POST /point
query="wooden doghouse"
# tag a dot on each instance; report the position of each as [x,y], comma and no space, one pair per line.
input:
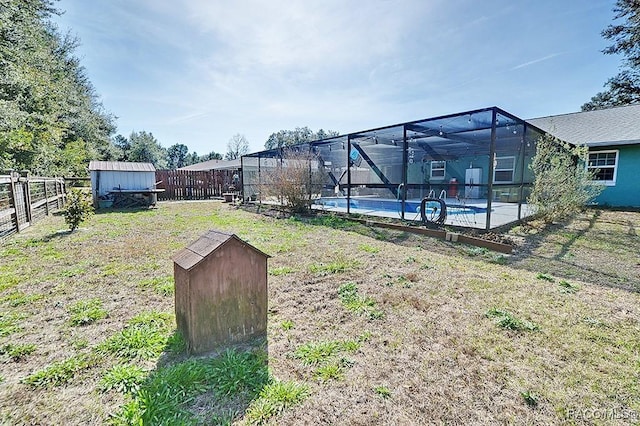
[220,292]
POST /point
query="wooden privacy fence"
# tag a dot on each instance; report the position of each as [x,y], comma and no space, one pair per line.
[193,184]
[25,199]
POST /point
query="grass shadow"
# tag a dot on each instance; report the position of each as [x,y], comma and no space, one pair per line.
[566,246]
[214,388]
[53,236]
[109,210]
[554,249]
[344,223]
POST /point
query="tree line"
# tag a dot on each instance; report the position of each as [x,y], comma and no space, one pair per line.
[52,121]
[144,147]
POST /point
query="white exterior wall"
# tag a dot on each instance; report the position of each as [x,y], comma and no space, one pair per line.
[110,180]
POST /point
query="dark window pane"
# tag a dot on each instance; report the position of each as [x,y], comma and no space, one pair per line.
[503,176]
[604,174]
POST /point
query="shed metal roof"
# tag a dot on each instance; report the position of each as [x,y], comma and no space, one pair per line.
[122,166]
[604,127]
[190,256]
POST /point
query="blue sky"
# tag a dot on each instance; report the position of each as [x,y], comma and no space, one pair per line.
[198,71]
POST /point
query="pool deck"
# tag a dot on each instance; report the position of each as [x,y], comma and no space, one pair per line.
[501,213]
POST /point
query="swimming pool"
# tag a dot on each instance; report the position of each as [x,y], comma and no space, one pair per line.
[394,206]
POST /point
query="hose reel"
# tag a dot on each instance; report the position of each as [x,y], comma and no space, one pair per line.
[437,211]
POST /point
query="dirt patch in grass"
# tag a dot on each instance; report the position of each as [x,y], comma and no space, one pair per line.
[432,355]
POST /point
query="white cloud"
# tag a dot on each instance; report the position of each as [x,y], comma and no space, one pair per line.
[304,34]
[199,71]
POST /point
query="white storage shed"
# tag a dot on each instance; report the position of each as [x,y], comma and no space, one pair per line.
[109,178]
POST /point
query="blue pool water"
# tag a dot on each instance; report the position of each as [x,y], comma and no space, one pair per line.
[394,206]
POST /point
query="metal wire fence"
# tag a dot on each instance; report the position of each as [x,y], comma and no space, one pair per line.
[25,199]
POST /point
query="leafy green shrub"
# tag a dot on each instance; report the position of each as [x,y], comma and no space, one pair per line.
[530,398]
[383,392]
[507,320]
[545,277]
[61,372]
[9,323]
[164,286]
[567,287]
[562,185]
[323,356]
[176,343]
[284,270]
[122,378]
[287,325]
[274,399]
[144,337]
[17,352]
[333,370]
[79,208]
[142,342]
[234,372]
[164,396]
[335,267]
[317,353]
[352,301]
[368,248]
[86,312]
[17,298]
[475,251]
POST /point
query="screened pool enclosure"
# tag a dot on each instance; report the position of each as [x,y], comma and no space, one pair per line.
[468,169]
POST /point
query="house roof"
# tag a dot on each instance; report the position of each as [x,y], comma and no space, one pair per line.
[215,165]
[121,166]
[190,256]
[604,127]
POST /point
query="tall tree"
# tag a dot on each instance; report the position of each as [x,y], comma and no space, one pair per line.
[284,138]
[211,156]
[177,156]
[51,120]
[123,147]
[237,147]
[624,88]
[145,148]
[192,158]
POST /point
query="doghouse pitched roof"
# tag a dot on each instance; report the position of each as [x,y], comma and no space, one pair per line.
[190,256]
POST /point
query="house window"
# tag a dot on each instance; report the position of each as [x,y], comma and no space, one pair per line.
[503,169]
[438,169]
[604,166]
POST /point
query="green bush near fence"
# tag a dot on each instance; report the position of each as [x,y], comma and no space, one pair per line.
[79,209]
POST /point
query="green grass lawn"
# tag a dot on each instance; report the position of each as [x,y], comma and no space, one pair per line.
[365,326]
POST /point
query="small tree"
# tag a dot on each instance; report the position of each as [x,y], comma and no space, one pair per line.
[293,181]
[177,156]
[79,208]
[562,185]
